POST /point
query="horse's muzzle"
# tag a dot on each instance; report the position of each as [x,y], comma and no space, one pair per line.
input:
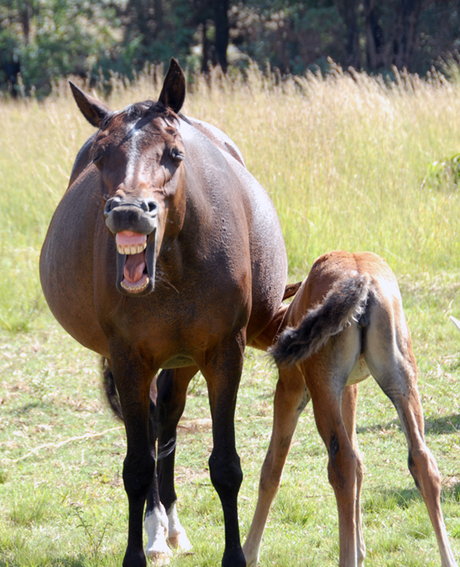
[136,215]
[134,224]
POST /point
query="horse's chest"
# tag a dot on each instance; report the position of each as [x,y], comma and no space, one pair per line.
[178,332]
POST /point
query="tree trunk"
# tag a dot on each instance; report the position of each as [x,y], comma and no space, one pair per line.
[221,26]
[205,56]
[374,37]
[158,10]
[25,15]
[348,11]
[405,36]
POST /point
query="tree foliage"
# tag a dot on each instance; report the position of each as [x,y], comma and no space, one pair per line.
[47,39]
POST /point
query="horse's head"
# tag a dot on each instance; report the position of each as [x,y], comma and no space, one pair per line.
[139,153]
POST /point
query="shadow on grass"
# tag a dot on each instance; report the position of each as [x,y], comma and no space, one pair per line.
[438,426]
[392,499]
[26,408]
[52,562]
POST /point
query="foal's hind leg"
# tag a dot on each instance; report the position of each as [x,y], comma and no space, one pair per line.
[327,372]
[393,365]
[349,403]
[290,398]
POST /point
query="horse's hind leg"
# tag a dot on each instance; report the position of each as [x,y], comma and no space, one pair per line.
[161,520]
[396,372]
[349,403]
[290,398]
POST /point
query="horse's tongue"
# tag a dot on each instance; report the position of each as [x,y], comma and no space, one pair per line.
[134,267]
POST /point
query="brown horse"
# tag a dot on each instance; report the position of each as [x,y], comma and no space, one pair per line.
[165,252]
[345,323]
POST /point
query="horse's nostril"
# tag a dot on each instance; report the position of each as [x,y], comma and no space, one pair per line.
[111,204]
[149,206]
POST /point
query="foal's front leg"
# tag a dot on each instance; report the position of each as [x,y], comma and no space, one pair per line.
[291,397]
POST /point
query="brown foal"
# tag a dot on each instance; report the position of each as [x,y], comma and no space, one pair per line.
[345,323]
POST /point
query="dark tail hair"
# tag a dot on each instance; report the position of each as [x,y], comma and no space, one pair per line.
[346,300]
[111,390]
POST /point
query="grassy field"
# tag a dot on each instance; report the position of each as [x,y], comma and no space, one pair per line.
[350,163]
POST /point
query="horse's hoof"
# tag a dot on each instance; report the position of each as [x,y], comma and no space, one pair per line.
[159,557]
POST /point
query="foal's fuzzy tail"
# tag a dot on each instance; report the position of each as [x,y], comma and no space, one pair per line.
[346,300]
[111,390]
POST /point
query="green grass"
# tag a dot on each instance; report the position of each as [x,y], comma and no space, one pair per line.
[346,163]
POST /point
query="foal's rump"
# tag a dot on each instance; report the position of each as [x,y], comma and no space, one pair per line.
[354,299]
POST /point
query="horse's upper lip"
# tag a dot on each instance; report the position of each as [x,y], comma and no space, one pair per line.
[129,242]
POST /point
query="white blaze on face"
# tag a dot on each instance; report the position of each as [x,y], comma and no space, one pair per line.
[134,154]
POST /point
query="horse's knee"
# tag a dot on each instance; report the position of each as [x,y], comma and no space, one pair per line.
[138,475]
[226,473]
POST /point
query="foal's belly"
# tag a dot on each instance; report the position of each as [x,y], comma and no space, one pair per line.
[359,373]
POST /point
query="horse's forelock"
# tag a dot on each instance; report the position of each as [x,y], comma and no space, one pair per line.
[149,107]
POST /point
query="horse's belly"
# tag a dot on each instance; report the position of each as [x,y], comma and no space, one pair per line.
[66,268]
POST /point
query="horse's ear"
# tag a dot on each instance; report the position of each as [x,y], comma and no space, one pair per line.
[173,91]
[92,109]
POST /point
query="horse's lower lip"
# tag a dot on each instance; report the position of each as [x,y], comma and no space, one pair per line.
[131,281]
[136,287]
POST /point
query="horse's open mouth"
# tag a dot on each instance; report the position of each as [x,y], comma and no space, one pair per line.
[133,274]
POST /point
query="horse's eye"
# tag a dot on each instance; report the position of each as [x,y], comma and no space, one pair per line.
[177,154]
[98,158]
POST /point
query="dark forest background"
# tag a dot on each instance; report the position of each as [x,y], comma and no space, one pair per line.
[43,40]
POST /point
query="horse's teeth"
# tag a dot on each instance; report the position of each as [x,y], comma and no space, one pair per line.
[128,249]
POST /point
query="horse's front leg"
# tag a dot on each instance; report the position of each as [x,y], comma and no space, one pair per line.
[132,378]
[156,519]
[222,374]
[161,519]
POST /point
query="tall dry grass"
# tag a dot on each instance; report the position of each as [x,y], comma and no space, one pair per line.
[344,158]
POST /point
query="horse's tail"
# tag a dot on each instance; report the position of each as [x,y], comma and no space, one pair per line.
[111,390]
[345,301]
